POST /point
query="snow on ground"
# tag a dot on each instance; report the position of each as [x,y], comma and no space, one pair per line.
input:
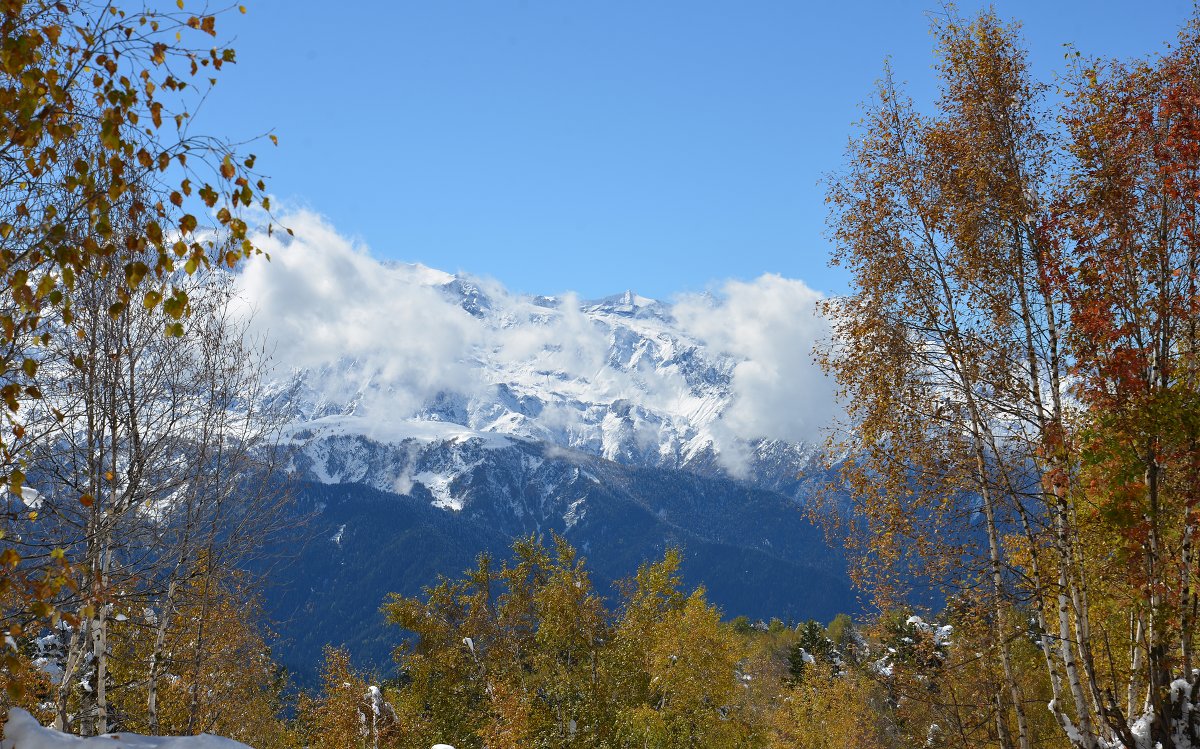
[24,732]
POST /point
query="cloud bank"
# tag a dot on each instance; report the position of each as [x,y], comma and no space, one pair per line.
[771,326]
[324,299]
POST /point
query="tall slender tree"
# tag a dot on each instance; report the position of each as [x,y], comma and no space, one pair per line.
[1016,360]
[153,462]
[102,175]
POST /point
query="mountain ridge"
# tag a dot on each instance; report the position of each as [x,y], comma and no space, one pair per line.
[644,392]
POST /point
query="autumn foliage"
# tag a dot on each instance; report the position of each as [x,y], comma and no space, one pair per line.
[527,654]
[103,177]
[1018,357]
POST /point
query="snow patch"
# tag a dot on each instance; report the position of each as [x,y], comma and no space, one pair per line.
[23,732]
[575,512]
[439,486]
[388,431]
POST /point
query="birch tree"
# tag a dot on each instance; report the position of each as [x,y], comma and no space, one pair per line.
[101,174]
[1016,360]
[155,477]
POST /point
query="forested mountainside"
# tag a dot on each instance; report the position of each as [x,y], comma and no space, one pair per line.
[752,548]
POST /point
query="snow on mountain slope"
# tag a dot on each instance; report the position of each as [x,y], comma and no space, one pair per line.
[613,378]
[402,354]
[626,384]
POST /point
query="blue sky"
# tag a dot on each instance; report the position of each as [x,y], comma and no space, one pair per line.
[663,146]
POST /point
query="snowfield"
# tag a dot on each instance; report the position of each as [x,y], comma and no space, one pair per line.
[626,378]
[24,732]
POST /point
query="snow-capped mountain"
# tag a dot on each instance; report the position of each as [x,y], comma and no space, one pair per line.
[620,378]
[436,416]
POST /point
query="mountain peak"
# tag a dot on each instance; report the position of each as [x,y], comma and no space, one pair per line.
[627,303]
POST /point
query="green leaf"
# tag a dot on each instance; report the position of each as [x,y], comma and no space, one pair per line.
[46,285]
[176,304]
[134,273]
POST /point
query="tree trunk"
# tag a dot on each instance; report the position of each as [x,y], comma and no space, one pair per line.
[156,655]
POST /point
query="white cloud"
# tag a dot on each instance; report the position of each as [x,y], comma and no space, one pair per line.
[322,298]
[561,340]
[770,324]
